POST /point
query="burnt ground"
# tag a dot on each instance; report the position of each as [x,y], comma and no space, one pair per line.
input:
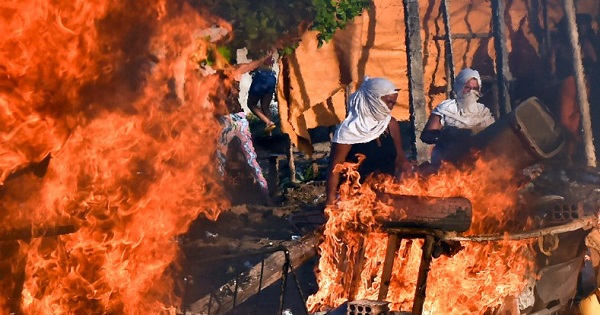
[217,251]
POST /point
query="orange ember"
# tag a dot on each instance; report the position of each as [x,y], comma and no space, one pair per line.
[106,128]
[480,276]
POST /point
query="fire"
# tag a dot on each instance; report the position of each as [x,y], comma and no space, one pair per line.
[480,276]
[105,127]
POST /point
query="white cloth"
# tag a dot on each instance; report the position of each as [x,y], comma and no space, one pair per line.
[368,115]
[478,116]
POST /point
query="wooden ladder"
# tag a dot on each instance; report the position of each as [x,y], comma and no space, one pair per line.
[503,75]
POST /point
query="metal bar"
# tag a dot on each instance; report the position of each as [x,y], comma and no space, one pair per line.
[585,223]
[235,291]
[260,279]
[284,276]
[184,300]
[299,288]
[423,273]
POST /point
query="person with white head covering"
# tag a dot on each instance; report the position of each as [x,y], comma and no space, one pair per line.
[369,129]
[454,120]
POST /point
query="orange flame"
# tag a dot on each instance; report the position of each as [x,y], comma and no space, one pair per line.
[110,93]
[478,277]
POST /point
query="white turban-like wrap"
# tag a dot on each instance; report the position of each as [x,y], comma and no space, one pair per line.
[368,115]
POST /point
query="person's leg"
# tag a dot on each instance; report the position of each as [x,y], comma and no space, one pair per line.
[243,133]
[227,134]
[253,100]
[265,105]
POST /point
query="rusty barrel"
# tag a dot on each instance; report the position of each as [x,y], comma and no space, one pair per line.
[523,137]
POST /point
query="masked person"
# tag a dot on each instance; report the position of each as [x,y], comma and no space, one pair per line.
[453,121]
[370,130]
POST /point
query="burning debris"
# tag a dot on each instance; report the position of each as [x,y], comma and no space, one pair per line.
[514,251]
[110,95]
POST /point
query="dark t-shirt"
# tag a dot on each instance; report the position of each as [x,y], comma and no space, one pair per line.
[380,156]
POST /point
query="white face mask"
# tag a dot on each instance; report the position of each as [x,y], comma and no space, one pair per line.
[468,103]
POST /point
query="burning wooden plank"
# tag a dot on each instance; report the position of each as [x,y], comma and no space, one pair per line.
[298,252]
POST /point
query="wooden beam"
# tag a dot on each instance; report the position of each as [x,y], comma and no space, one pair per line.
[414,50]
[502,71]
[420,292]
[449,53]
[582,98]
[393,244]
[463,36]
[216,303]
[357,268]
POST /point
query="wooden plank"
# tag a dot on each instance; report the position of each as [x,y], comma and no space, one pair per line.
[418,113]
[358,265]
[393,244]
[216,303]
[502,70]
[424,268]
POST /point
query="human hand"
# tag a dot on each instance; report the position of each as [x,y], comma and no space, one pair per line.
[404,166]
[407,166]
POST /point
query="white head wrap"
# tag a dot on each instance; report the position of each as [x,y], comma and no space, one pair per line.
[368,115]
[466,102]
[462,78]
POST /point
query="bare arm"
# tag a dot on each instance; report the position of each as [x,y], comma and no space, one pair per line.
[433,123]
[337,156]
[247,67]
[402,163]
[432,130]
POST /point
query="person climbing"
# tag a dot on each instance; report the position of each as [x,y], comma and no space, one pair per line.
[261,92]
